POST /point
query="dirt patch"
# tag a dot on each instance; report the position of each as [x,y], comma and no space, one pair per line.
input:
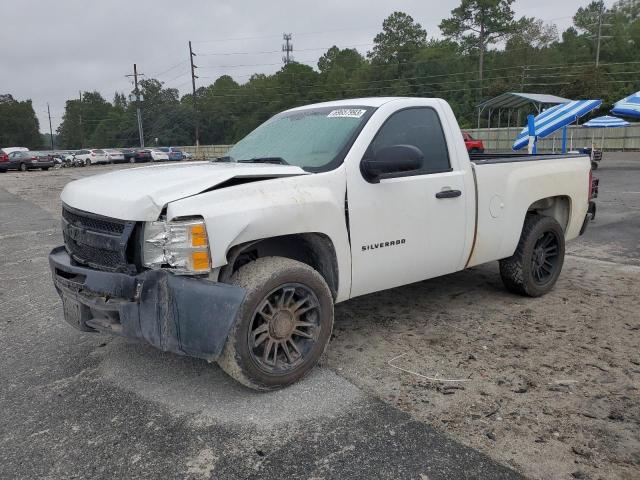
[548,386]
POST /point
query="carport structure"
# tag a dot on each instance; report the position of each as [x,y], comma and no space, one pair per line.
[512,101]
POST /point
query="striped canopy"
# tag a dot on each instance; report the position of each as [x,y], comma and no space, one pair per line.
[555,118]
[606,121]
[628,107]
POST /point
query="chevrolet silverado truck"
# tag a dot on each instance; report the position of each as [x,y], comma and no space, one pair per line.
[240,260]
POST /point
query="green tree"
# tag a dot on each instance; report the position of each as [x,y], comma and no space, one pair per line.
[478,24]
[81,119]
[19,126]
[400,39]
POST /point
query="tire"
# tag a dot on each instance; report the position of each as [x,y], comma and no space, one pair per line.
[87,162]
[269,281]
[3,170]
[536,265]
[132,160]
[45,168]
[594,165]
[23,167]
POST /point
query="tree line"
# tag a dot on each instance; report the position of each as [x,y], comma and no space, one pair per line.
[483,51]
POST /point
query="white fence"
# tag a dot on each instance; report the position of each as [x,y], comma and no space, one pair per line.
[615,139]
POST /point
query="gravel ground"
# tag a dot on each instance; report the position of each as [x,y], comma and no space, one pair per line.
[546,386]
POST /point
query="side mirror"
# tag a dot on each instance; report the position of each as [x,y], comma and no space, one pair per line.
[391,160]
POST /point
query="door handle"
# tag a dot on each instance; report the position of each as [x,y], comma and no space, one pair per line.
[448,194]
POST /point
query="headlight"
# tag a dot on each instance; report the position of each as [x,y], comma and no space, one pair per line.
[181,245]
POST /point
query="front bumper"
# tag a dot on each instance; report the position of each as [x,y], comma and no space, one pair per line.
[183,315]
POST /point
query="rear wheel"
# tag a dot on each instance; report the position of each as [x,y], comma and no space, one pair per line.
[283,325]
[87,162]
[535,266]
[23,167]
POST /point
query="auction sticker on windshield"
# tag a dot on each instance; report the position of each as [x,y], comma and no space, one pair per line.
[346,113]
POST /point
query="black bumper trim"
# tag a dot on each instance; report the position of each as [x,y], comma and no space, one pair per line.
[589,217]
[184,315]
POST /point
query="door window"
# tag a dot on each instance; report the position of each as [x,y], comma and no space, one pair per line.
[421,128]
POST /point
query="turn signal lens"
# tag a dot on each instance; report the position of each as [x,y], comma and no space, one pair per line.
[198,236]
[200,261]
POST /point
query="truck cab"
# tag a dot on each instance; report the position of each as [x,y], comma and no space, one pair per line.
[241,259]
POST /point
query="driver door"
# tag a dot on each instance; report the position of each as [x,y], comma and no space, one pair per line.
[404,229]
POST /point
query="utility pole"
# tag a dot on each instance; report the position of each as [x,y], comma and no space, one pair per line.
[50,129]
[138,109]
[524,77]
[287,48]
[195,103]
[80,119]
[599,37]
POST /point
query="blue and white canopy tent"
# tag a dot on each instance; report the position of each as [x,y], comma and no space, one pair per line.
[604,122]
[554,119]
[628,107]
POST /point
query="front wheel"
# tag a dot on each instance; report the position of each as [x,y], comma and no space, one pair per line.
[535,266]
[87,162]
[23,167]
[283,325]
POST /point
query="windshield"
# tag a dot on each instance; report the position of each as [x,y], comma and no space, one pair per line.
[315,139]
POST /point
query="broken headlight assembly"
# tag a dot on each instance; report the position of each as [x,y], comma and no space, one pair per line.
[181,245]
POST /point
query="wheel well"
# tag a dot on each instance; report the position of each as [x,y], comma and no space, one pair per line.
[313,249]
[558,207]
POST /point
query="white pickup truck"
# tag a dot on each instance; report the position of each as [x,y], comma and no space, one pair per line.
[241,259]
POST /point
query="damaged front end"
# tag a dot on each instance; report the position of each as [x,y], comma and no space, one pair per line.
[184,315]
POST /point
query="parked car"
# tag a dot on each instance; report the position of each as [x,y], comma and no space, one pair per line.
[113,156]
[473,145]
[129,154]
[142,155]
[91,156]
[26,160]
[9,150]
[174,153]
[242,262]
[158,155]
[4,161]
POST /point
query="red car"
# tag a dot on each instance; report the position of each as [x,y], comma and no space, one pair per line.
[473,145]
[4,161]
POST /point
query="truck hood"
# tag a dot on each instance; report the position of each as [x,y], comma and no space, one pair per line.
[141,193]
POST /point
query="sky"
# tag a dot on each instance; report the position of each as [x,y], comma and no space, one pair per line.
[50,50]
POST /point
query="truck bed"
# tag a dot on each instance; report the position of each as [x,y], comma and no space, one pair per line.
[514,182]
[509,157]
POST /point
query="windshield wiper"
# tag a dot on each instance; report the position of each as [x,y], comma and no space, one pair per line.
[276,160]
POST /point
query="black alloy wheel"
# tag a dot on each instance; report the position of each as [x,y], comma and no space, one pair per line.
[544,260]
[284,328]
